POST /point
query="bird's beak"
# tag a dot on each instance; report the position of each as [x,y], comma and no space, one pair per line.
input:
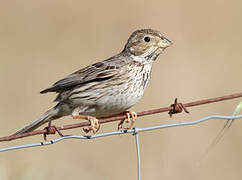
[164,43]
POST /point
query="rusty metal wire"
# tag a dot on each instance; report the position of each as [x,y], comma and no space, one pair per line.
[174,108]
[135,131]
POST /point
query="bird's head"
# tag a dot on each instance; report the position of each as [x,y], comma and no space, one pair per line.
[147,44]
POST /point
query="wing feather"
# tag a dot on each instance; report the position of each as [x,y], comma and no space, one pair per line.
[96,72]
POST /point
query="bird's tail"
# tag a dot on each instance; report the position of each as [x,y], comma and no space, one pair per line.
[44,118]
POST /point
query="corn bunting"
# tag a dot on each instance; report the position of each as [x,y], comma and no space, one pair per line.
[108,87]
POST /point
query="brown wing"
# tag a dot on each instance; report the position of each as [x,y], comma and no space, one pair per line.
[96,72]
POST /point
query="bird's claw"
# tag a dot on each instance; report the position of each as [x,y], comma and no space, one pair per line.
[131,117]
[94,127]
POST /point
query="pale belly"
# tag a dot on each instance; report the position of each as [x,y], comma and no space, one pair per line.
[114,102]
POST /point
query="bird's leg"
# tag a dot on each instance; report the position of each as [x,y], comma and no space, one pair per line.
[120,124]
[94,127]
[129,114]
[133,118]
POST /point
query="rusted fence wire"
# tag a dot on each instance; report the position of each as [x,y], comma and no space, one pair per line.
[135,131]
[174,108]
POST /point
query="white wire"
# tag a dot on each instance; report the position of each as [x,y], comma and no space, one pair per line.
[119,132]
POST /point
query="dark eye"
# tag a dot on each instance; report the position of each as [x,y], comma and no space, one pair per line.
[147,39]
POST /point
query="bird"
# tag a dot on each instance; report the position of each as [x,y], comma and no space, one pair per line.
[108,87]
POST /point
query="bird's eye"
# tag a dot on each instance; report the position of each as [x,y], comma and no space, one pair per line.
[147,39]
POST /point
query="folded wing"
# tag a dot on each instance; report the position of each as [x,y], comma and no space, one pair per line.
[96,72]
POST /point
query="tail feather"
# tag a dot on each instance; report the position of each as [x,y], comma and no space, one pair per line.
[44,118]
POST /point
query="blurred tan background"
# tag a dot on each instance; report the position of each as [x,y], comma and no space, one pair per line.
[43,41]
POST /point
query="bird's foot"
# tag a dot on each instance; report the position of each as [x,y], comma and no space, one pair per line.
[131,118]
[94,127]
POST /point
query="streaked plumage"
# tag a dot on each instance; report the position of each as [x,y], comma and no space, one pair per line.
[108,87]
